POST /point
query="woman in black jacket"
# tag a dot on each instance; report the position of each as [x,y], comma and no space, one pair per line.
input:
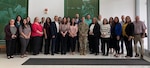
[128,32]
[94,34]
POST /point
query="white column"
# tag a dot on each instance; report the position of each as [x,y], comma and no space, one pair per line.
[148,24]
[137,7]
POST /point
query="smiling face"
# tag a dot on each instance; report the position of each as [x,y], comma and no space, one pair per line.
[11,22]
[24,21]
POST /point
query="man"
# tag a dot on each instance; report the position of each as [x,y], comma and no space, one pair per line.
[88,21]
[55,32]
[83,30]
[77,19]
[139,31]
[122,22]
[99,19]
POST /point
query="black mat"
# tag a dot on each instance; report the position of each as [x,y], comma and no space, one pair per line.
[72,61]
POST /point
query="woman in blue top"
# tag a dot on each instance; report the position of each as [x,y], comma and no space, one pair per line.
[116,33]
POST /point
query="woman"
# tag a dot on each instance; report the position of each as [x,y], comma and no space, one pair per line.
[18,22]
[25,32]
[83,30]
[94,34]
[47,35]
[128,32]
[116,33]
[10,37]
[63,31]
[72,34]
[111,47]
[105,36]
[37,33]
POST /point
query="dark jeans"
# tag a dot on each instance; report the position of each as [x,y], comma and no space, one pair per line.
[36,45]
[128,47]
[72,44]
[122,47]
[29,47]
[24,44]
[63,44]
[94,44]
[116,45]
[10,46]
[105,41]
[47,46]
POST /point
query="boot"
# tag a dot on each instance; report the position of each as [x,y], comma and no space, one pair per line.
[81,51]
[84,52]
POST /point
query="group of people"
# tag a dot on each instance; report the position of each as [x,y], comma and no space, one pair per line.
[67,34]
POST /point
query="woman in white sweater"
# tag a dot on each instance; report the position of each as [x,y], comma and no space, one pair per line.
[105,36]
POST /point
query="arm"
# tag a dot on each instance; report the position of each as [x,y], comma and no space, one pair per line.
[7,31]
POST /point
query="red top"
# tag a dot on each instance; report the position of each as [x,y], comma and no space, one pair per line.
[35,27]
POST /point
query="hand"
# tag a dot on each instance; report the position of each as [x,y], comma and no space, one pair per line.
[45,37]
[118,37]
[143,35]
[130,37]
[91,33]
[53,36]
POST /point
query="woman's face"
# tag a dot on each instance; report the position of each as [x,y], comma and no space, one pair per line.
[116,20]
[48,20]
[111,19]
[12,21]
[73,20]
[68,19]
[64,20]
[94,20]
[28,18]
[24,21]
[105,21]
[19,18]
[128,19]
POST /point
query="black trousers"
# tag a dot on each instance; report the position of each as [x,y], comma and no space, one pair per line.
[122,47]
[68,43]
[29,47]
[36,44]
[105,41]
[41,46]
[18,46]
[63,44]
[47,46]
[57,43]
[72,44]
[128,45]
[116,45]
[94,44]
[10,46]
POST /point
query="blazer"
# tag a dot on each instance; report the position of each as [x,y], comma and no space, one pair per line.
[8,32]
[130,29]
[116,30]
[96,30]
[53,29]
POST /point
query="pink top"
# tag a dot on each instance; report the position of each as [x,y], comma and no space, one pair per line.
[73,30]
[36,27]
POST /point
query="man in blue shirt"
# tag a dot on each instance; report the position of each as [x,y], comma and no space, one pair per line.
[88,21]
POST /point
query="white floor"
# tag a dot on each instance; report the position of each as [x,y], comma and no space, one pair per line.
[17,61]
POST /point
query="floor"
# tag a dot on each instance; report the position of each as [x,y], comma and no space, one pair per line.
[17,61]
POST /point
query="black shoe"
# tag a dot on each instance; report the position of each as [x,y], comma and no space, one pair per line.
[96,53]
[141,57]
[11,56]
[8,57]
[137,55]
[92,53]
[52,54]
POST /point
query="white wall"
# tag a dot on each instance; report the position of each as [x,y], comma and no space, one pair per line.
[36,8]
[118,8]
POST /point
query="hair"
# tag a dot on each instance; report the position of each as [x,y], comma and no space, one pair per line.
[49,19]
[17,19]
[73,23]
[23,25]
[117,19]
[63,20]
[106,21]
[126,19]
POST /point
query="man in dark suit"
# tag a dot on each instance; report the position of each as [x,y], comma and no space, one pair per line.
[55,32]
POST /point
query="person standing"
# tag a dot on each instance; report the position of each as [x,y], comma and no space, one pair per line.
[54,29]
[116,33]
[83,33]
[25,32]
[94,34]
[121,38]
[139,30]
[42,24]
[10,37]
[64,31]
[18,22]
[37,33]
[105,36]
[128,33]
[73,29]
[47,35]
